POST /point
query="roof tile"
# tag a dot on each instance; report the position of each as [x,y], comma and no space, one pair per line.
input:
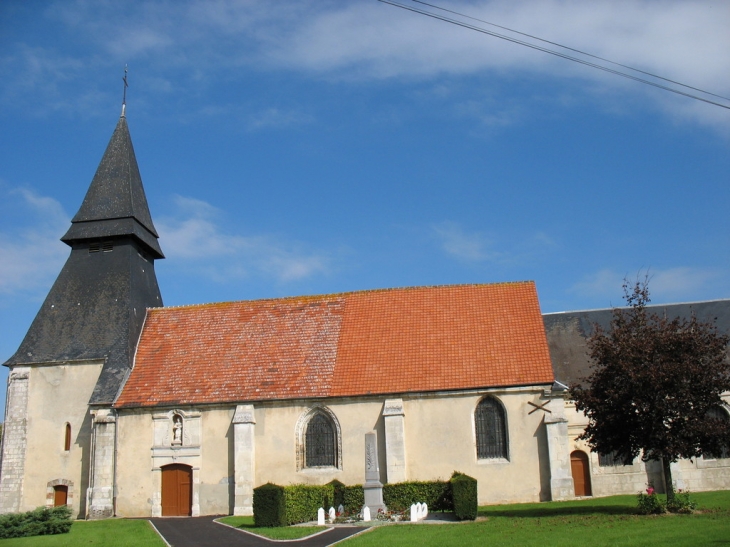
[372,342]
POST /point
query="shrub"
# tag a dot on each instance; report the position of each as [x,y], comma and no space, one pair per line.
[338,493]
[303,500]
[353,499]
[681,503]
[39,522]
[436,494]
[649,503]
[464,496]
[269,507]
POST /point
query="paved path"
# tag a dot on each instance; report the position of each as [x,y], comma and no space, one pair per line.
[203,532]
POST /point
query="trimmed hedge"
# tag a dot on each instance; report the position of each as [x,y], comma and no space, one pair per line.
[354,499]
[269,507]
[303,500]
[464,496]
[436,494]
[39,522]
[338,493]
[286,505]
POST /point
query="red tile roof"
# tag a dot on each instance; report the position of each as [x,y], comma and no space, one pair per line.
[374,342]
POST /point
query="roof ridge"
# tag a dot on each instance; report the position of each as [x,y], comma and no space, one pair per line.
[610,308]
[323,296]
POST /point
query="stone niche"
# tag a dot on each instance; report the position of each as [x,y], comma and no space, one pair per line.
[176,440]
[176,428]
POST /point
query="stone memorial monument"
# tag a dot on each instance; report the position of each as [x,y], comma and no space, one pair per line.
[372,488]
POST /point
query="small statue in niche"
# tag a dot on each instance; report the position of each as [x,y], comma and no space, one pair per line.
[177,426]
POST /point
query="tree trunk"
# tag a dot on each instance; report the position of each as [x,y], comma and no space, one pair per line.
[668,484]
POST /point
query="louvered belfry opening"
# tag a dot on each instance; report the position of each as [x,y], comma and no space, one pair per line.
[319,441]
[490,429]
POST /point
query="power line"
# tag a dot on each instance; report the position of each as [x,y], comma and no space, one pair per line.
[572,49]
[558,53]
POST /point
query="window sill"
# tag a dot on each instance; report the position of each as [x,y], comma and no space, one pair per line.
[320,470]
[492,461]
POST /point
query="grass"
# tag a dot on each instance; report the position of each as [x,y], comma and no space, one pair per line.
[284,532]
[97,533]
[602,521]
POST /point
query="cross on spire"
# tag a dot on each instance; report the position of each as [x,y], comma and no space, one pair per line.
[124,94]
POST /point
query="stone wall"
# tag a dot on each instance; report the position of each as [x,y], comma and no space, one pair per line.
[42,400]
[239,447]
[14,441]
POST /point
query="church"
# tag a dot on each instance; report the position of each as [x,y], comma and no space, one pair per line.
[119,406]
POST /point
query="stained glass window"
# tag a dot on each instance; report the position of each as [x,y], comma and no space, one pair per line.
[320,442]
[491,429]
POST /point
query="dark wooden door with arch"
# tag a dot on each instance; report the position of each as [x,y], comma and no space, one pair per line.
[581,471]
[177,490]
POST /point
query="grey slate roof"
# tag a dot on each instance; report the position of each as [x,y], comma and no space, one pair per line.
[567,332]
[97,305]
[115,203]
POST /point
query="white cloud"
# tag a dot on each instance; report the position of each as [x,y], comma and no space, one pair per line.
[670,285]
[475,247]
[470,247]
[32,255]
[275,118]
[360,40]
[194,236]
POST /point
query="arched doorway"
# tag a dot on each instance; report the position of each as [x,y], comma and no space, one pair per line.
[60,495]
[177,490]
[581,472]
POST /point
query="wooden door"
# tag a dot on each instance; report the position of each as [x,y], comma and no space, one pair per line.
[60,495]
[581,472]
[177,490]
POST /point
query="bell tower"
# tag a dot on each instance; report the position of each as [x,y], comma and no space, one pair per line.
[90,321]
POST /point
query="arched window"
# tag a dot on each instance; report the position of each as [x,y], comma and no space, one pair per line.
[718,414]
[320,442]
[67,438]
[491,429]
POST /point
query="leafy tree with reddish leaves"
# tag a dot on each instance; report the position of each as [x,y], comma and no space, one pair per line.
[654,380]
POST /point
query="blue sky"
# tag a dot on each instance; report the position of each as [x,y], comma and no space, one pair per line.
[307,147]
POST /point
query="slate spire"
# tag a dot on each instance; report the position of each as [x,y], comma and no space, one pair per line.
[115,204]
[96,307]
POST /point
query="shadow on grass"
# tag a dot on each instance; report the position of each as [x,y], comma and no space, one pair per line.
[557,511]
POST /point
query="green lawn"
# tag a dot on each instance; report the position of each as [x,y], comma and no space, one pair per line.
[603,521]
[286,532]
[97,533]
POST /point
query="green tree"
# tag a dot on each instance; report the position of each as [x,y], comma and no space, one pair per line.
[653,382]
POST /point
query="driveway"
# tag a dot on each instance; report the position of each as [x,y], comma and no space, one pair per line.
[203,532]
